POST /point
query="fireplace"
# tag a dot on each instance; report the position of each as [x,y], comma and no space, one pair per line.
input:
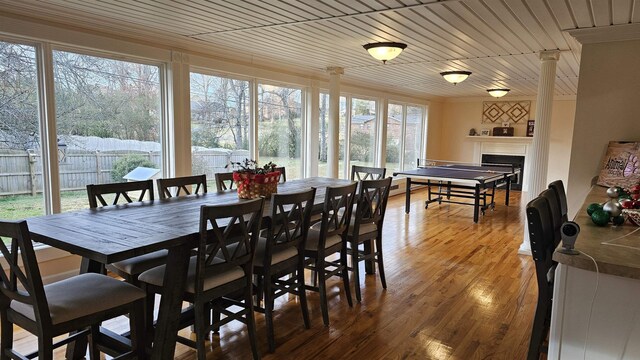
[516,160]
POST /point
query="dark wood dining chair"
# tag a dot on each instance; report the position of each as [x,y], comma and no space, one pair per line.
[77,304]
[224,181]
[366,228]
[221,268]
[327,238]
[541,238]
[121,192]
[558,186]
[128,269]
[184,185]
[556,213]
[279,260]
[359,173]
[283,174]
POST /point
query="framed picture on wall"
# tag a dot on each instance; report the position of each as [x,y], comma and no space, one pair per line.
[485,132]
[530,125]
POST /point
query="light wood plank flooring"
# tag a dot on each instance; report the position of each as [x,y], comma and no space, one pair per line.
[456,290]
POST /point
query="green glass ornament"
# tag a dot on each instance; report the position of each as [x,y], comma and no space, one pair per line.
[600,217]
[593,207]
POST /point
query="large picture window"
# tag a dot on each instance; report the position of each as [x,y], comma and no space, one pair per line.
[21,180]
[220,122]
[280,128]
[362,146]
[413,136]
[108,116]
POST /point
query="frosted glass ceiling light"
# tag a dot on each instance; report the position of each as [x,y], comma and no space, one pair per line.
[385,51]
[455,77]
[498,92]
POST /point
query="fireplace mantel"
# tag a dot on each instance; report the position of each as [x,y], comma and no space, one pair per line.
[502,145]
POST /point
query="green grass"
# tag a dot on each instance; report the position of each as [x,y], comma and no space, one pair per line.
[23,206]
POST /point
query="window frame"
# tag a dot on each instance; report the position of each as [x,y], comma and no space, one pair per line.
[423,133]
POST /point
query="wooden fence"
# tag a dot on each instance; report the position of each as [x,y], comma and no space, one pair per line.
[21,171]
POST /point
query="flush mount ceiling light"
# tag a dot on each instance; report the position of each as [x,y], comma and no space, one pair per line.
[385,51]
[498,92]
[455,77]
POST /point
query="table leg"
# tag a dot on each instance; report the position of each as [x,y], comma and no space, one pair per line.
[164,342]
[506,200]
[407,197]
[77,349]
[476,205]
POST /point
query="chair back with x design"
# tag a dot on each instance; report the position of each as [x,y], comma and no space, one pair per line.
[177,186]
[290,216]
[224,181]
[24,286]
[228,237]
[372,203]
[359,173]
[123,190]
[338,205]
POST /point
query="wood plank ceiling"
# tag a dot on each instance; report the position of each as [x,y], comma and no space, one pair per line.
[498,40]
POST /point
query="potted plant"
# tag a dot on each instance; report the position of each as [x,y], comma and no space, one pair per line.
[253,181]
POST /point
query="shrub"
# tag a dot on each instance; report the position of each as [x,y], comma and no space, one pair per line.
[124,165]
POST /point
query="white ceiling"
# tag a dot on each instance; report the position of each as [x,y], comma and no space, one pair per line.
[498,40]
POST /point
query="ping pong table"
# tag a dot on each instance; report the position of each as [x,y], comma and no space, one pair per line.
[448,180]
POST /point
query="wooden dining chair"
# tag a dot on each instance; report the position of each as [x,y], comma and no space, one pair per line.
[77,304]
[279,260]
[562,198]
[541,238]
[556,213]
[224,181]
[221,268]
[128,269]
[119,191]
[184,185]
[366,228]
[359,173]
[327,238]
[283,174]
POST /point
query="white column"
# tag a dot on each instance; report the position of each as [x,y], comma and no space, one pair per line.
[313,128]
[177,131]
[333,141]
[539,153]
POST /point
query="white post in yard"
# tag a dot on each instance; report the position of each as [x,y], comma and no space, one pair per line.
[539,152]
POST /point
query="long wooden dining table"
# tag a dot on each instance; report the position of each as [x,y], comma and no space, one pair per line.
[114,233]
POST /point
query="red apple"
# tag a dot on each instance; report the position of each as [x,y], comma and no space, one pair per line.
[635,189]
[626,203]
[635,196]
[636,204]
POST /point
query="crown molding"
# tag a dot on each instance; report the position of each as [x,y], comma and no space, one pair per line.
[602,34]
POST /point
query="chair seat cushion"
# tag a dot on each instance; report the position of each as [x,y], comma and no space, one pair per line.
[364,228]
[83,295]
[142,263]
[155,276]
[279,255]
[313,239]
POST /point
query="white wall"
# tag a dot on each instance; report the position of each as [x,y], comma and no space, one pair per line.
[607,109]
[460,115]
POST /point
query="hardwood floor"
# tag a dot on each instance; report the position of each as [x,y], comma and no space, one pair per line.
[456,290]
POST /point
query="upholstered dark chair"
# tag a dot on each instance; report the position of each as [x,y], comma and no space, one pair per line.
[366,228]
[221,269]
[128,269]
[184,185]
[224,181]
[327,238]
[279,260]
[77,304]
[359,173]
[541,237]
